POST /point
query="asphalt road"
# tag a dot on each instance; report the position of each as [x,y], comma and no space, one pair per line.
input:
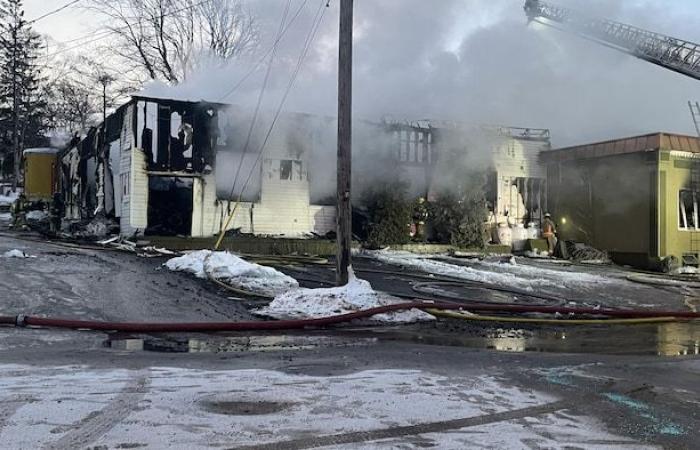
[424,386]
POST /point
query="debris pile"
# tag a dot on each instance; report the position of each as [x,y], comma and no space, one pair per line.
[357,295]
[585,253]
[232,269]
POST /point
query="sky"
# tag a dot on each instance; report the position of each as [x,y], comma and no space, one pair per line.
[471,61]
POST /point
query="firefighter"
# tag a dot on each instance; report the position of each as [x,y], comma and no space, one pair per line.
[549,231]
[420,216]
[57,210]
[19,213]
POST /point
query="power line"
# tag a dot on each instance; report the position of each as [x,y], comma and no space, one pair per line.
[262,58]
[55,11]
[106,33]
[302,56]
[261,95]
[300,62]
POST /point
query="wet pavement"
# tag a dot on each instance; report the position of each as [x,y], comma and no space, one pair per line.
[448,384]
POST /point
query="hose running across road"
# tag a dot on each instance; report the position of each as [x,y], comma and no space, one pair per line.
[297,324]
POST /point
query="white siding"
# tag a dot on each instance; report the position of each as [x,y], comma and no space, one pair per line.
[322,219]
[515,158]
[209,215]
[284,204]
[138,195]
[519,158]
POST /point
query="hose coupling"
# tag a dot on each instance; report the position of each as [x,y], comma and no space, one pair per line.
[21,320]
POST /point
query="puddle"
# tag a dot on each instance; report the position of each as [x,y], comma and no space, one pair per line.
[668,339]
[233,344]
[243,408]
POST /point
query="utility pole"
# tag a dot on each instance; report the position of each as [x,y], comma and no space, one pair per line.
[344,228]
[104,81]
[16,151]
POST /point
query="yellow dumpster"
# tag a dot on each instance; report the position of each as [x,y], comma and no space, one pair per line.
[40,173]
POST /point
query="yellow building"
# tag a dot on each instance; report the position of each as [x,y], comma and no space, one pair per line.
[636,198]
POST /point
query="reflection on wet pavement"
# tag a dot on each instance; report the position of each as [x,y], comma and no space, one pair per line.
[666,339]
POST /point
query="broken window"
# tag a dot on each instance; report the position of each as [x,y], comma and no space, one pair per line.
[291,170]
[688,210]
[414,145]
[285,170]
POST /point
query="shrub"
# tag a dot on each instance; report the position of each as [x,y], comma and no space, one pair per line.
[389,214]
[458,217]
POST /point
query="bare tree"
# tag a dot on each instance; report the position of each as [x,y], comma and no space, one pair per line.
[74,103]
[168,39]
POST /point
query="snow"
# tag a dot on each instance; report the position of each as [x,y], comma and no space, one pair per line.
[15,254]
[687,270]
[161,407]
[232,269]
[9,199]
[490,272]
[355,296]
[41,150]
[37,215]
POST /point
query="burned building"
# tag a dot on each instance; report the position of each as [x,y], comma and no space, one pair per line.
[636,197]
[173,167]
[163,166]
[516,182]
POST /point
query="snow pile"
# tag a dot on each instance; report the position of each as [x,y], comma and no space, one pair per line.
[15,254]
[37,215]
[9,199]
[686,270]
[232,269]
[355,296]
[490,272]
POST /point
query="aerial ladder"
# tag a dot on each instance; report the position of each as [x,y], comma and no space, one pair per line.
[671,53]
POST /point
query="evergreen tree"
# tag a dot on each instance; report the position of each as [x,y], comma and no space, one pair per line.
[21,101]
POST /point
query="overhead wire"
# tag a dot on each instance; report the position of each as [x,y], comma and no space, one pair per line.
[106,33]
[318,18]
[264,56]
[261,95]
[54,11]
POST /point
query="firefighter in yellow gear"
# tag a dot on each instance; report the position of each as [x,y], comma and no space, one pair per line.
[549,232]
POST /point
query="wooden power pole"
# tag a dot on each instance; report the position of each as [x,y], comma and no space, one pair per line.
[344,229]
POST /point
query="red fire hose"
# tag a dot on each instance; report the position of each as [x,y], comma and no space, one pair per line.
[193,327]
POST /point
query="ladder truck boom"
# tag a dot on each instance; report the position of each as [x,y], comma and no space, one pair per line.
[665,51]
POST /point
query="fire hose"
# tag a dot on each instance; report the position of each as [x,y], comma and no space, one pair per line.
[628,316]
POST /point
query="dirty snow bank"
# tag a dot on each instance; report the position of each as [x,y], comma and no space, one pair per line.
[9,199]
[37,215]
[498,273]
[687,270]
[15,254]
[230,268]
[355,296]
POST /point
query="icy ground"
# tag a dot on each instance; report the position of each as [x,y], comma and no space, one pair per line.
[355,296]
[77,407]
[228,267]
[7,200]
[500,273]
